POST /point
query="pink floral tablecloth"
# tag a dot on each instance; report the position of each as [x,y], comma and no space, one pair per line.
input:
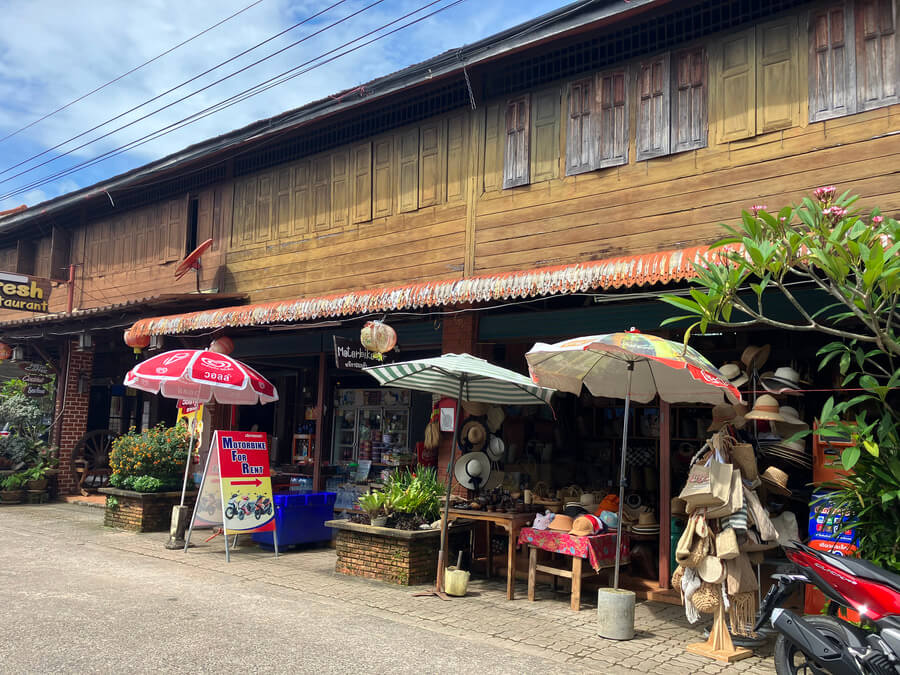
[600,550]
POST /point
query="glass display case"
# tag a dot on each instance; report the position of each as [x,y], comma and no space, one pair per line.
[371,424]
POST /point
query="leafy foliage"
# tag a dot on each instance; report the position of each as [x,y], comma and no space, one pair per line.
[415,493]
[159,452]
[855,259]
[15,481]
[24,419]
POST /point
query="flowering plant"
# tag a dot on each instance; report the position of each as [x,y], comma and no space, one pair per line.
[158,452]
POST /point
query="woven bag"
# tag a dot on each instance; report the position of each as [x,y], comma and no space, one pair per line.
[706,600]
[727,544]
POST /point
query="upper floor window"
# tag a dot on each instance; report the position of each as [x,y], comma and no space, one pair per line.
[597,129]
[516,164]
[854,60]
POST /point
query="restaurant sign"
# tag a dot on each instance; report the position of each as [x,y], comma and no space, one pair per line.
[24,293]
[352,355]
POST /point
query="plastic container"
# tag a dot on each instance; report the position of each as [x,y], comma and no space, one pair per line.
[456,581]
[299,519]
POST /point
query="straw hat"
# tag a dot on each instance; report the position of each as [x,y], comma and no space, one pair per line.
[475,408]
[495,448]
[472,470]
[775,480]
[586,526]
[647,520]
[765,408]
[733,373]
[678,507]
[753,357]
[561,523]
[723,414]
[792,417]
[495,417]
[784,380]
[711,570]
[472,436]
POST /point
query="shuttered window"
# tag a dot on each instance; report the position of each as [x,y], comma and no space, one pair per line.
[580,139]
[612,100]
[653,108]
[877,65]
[831,89]
[516,156]
[689,100]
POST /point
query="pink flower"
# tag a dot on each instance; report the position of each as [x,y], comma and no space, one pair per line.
[756,208]
[825,194]
[835,212]
[877,220]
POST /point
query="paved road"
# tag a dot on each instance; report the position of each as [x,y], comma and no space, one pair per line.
[68,604]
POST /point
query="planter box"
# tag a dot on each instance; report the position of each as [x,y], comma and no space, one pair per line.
[405,557]
[142,511]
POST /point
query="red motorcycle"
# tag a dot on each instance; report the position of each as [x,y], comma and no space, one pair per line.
[829,644]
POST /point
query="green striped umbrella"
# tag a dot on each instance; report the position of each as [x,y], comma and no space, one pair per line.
[465,378]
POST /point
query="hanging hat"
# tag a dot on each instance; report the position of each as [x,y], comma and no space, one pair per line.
[711,570]
[561,523]
[475,408]
[792,417]
[472,470]
[775,480]
[495,417]
[587,526]
[753,357]
[765,408]
[722,414]
[733,373]
[495,448]
[472,436]
[784,380]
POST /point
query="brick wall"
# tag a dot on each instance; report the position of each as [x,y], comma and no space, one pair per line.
[72,423]
[408,562]
[141,513]
[459,333]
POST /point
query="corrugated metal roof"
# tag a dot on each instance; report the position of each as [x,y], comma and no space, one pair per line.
[620,272]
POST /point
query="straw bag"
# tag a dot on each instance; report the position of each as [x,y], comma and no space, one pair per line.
[735,498]
[759,516]
[745,459]
[727,544]
[739,575]
[694,542]
[706,598]
[707,485]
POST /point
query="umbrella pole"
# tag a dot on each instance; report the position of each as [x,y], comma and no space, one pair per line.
[180,514]
[622,475]
[187,464]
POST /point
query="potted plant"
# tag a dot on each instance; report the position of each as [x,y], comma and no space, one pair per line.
[373,504]
[36,477]
[12,492]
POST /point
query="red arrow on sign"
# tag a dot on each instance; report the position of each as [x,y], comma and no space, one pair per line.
[256,481]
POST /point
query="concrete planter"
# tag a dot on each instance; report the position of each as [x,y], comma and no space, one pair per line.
[142,511]
[404,557]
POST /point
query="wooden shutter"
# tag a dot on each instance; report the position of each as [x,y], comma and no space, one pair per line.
[494,148]
[283,213]
[430,164]
[689,124]
[302,201]
[456,158]
[340,188]
[177,213]
[408,150]
[832,82]
[653,108]
[265,189]
[613,102]
[516,156]
[877,64]
[581,143]
[244,211]
[321,192]
[384,177]
[545,117]
[362,182]
[735,97]
[778,104]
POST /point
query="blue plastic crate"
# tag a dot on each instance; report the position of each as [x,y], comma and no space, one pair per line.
[299,519]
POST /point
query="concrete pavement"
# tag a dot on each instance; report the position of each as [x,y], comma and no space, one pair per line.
[78,597]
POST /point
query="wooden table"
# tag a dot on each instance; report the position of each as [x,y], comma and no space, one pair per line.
[512,523]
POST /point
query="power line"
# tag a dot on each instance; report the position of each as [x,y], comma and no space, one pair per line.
[133,70]
[240,97]
[176,87]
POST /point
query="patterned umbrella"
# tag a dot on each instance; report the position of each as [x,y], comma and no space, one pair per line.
[629,365]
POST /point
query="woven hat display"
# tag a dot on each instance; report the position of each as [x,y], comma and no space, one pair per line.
[784,380]
[472,470]
[495,418]
[765,408]
[733,373]
[561,523]
[754,357]
[775,480]
[472,436]
[711,570]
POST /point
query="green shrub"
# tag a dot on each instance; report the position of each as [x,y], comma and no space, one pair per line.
[159,452]
[15,481]
[147,484]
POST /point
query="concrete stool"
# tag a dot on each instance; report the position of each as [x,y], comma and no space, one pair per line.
[615,613]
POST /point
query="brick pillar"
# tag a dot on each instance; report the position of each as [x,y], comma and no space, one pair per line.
[72,423]
[458,336]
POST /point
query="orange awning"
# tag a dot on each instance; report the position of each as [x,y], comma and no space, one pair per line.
[620,272]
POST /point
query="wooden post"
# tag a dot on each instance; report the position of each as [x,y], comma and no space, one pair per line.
[319,442]
[665,492]
[575,602]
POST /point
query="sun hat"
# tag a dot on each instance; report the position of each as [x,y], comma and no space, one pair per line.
[472,436]
[495,418]
[776,480]
[472,470]
[495,448]
[733,373]
[792,417]
[711,570]
[475,408]
[722,414]
[753,357]
[784,380]
[586,526]
[648,519]
[765,408]
[561,523]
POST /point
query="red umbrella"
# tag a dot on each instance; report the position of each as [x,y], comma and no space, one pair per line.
[201,375]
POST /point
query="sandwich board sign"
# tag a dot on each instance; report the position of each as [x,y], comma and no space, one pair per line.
[236,489]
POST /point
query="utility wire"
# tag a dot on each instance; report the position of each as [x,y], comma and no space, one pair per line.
[176,87]
[133,70]
[238,98]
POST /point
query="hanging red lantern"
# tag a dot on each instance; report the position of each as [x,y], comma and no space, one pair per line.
[5,352]
[378,338]
[222,345]
[137,342]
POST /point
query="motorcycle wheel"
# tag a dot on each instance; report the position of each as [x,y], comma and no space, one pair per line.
[229,512]
[241,514]
[257,514]
[790,660]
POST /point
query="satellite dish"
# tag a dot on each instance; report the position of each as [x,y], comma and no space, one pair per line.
[192,261]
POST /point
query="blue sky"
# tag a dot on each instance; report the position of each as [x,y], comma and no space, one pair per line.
[54,51]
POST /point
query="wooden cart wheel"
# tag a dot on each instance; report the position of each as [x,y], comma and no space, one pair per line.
[91,455]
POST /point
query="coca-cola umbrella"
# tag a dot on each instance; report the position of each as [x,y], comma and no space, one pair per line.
[200,375]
